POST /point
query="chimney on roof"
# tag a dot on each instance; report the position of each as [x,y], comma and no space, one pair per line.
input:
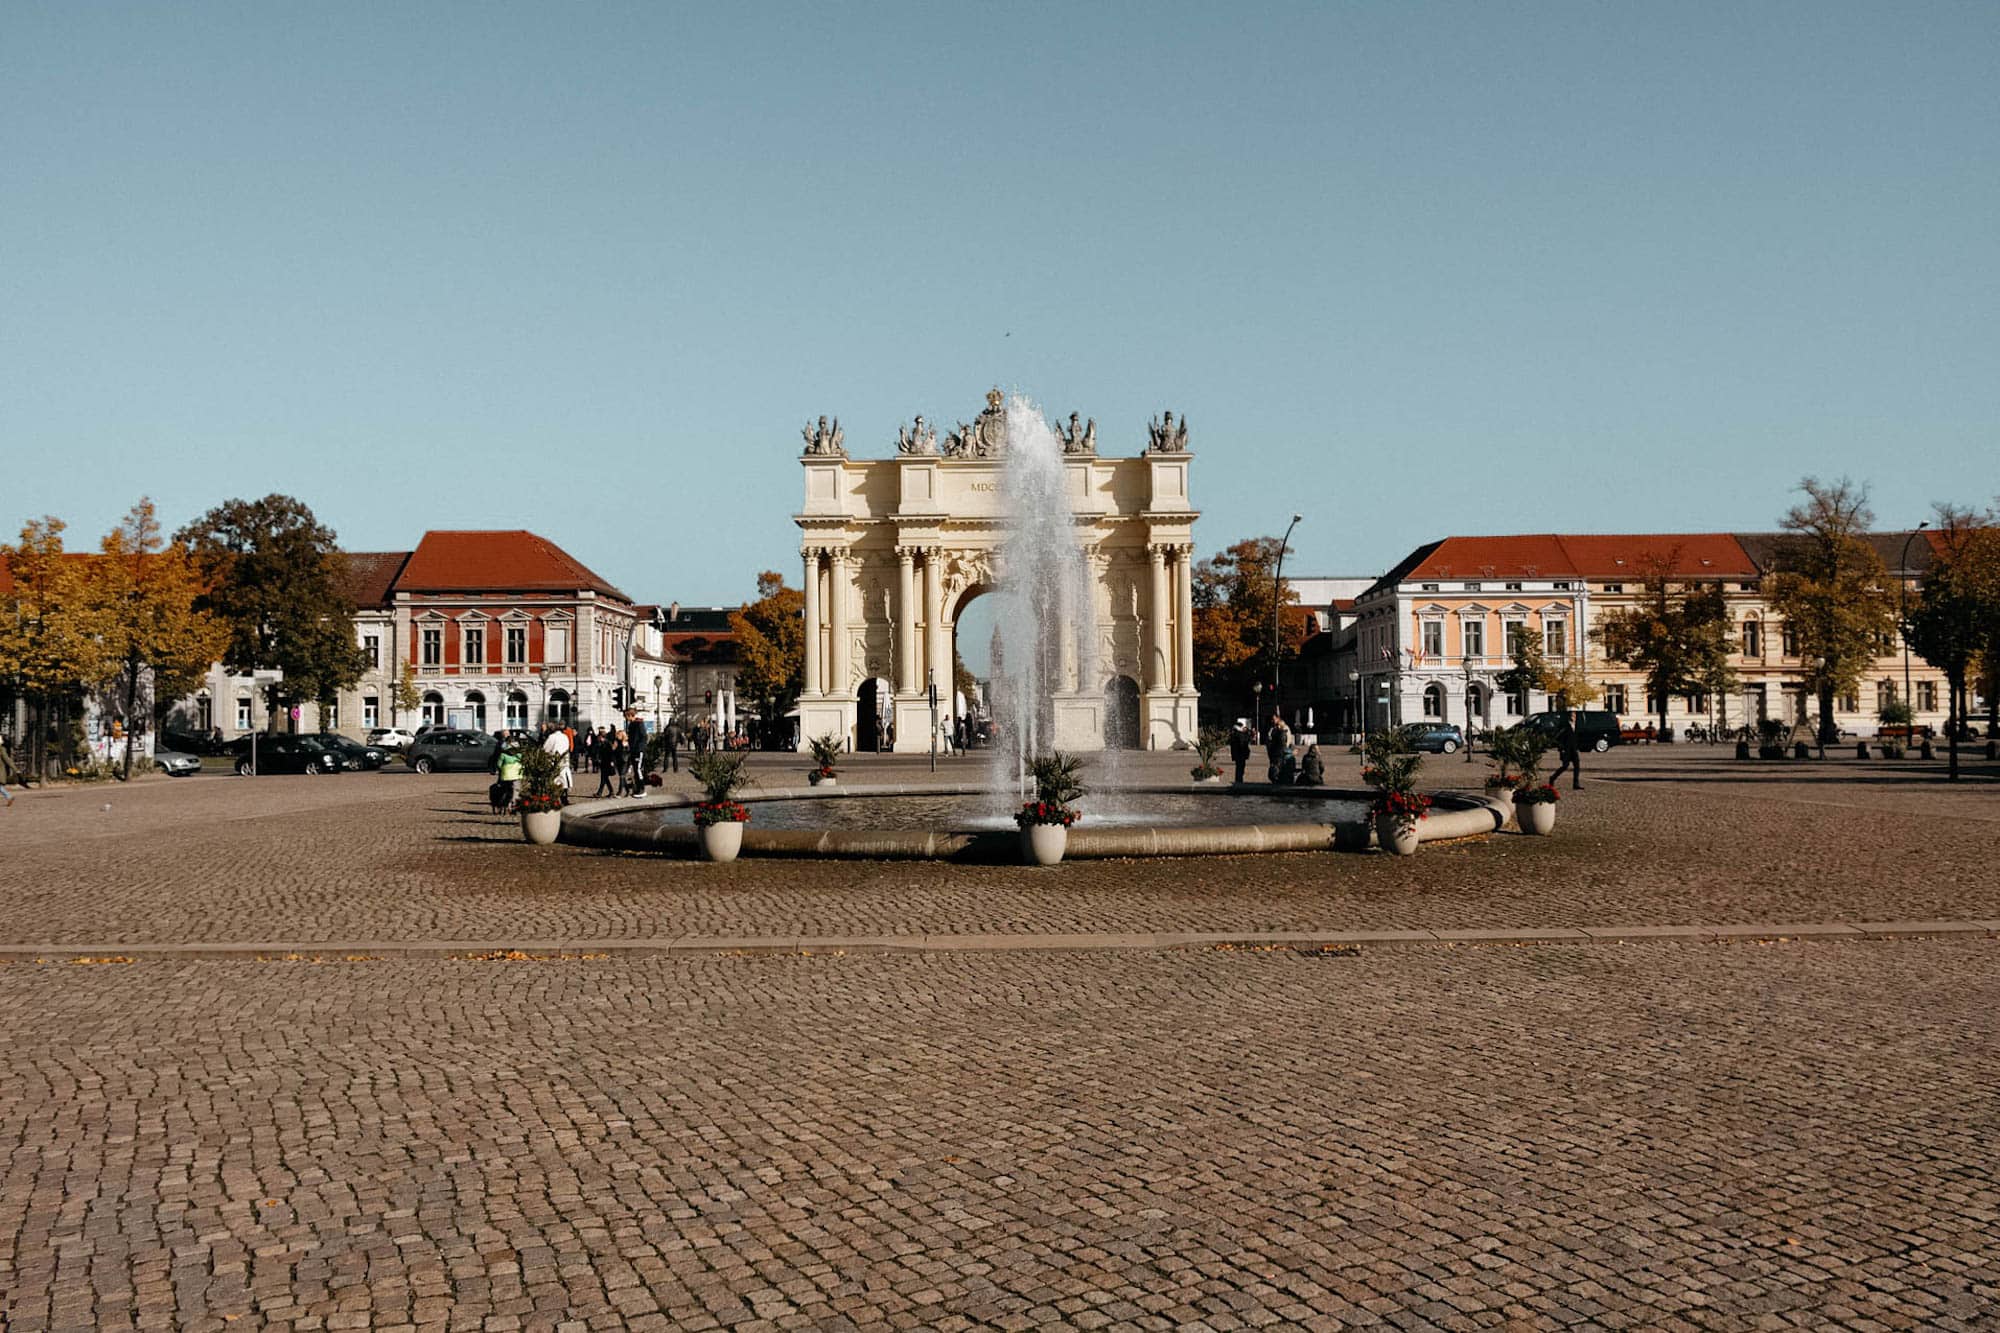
[673,612]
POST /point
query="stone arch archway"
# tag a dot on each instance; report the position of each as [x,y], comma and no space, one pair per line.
[893,548]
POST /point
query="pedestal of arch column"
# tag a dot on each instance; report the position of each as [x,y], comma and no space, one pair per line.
[913,723]
[823,715]
[1165,717]
[1079,720]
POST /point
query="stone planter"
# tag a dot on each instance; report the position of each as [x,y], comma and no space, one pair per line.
[721,842]
[541,826]
[1214,780]
[1537,818]
[1044,844]
[1396,833]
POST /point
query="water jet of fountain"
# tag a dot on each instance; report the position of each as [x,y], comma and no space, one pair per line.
[1046,616]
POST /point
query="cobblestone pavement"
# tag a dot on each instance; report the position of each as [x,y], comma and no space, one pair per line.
[1644,1136]
[1675,836]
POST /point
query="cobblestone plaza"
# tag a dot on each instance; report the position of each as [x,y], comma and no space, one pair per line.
[267,1062]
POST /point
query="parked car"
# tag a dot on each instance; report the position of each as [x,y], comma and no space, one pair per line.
[1596,729]
[195,740]
[175,764]
[390,738]
[1436,737]
[445,750]
[369,757]
[282,752]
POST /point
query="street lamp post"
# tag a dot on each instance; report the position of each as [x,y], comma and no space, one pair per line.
[1468,708]
[1257,709]
[1361,708]
[1903,630]
[1277,608]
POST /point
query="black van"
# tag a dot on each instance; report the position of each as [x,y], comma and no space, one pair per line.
[1596,729]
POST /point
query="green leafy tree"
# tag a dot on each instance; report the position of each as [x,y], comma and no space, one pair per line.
[152,624]
[273,575]
[1233,597]
[1673,633]
[1830,586]
[404,696]
[771,647]
[1957,617]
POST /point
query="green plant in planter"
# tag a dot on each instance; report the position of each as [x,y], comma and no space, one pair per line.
[540,790]
[1517,758]
[825,753]
[1392,771]
[1208,743]
[720,776]
[1058,780]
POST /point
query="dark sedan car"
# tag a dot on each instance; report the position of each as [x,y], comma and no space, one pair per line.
[282,752]
[357,755]
[445,750]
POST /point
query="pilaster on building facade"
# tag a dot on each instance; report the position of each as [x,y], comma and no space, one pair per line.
[1433,636]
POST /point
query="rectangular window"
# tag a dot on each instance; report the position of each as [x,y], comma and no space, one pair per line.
[1614,698]
[1433,638]
[475,646]
[1885,694]
[1788,639]
[1697,703]
[1656,703]
[1517,635]
[1555,638]
[1427,587]
[243,713]
[371,711]
[1846,703]
[555,644]
[330,719]
[204,712]
[1513,587]
[1614,587]
[517,645]
[1517,703]
[433,647]
[1472,587]
[1474,634]
[1927,696]
[371,647]
[1562,585]
[1753,639]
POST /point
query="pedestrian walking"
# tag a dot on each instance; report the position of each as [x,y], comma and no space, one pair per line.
[1571,755]
[1239,746]
[674,746]
[604,753]
[6,774]
[635,749]
[557,743]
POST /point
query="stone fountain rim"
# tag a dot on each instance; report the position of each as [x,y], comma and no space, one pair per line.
[608,824]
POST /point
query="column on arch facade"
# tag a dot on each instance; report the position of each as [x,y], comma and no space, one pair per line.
[1184,619]
[813,678]
[937,645]
[907,681]
[1159,660]
[836,594]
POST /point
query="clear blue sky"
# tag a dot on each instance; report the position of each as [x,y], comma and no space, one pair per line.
[586,268]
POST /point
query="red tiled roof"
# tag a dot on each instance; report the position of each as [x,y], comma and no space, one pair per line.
[1574,555]
[371,576]
[514,561]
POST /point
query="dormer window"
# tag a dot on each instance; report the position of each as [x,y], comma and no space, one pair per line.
[1562,585]
[1427,587]
[1513,587]
[1472,587]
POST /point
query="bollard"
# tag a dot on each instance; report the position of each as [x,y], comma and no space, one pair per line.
[1861,749]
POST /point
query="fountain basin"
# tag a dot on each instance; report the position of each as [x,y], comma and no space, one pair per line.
[892,822]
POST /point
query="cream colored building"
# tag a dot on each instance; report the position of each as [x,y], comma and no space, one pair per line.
[894,549]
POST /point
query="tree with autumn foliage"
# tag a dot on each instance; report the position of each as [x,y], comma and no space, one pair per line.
[1676,632]
[1233,601]
[146,590]
[1832,589]
[771,648]
[52,637]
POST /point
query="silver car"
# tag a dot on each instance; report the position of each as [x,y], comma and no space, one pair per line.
[175,764]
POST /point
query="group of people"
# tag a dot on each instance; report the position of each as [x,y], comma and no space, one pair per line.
[1288,768]
[617,754]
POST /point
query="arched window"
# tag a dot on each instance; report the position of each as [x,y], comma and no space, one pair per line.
[1475,702]
[1434,701]
[558,705]
[433,709]
[476,701]
[517,710]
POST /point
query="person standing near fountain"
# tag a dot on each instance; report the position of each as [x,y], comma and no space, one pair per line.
[1277,744]
[1239,747]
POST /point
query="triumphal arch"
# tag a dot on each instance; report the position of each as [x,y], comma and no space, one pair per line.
[896,547]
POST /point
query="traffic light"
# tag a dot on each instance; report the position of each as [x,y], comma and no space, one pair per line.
[618,697]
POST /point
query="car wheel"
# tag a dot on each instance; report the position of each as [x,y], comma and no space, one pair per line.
[424,765]
[243,769]
[1602,745]
[1449,747]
